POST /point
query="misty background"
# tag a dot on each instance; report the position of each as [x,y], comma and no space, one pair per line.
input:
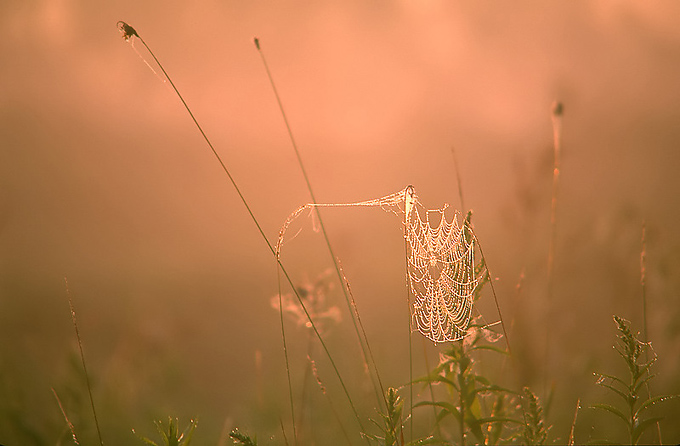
[105,180]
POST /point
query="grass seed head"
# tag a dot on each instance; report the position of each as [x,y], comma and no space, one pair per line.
[127,30]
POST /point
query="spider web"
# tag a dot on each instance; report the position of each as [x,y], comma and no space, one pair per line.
[440,262]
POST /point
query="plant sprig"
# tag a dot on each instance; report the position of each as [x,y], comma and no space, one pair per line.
[170,434]
[630,348]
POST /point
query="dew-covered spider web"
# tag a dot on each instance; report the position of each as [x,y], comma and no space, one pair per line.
[440,262]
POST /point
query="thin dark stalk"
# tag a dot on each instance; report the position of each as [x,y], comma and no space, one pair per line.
[285,354]
[461,399]
[429,385]
[305,401]
[283,432]
[493,289]
[129,32]
[518,294]
[328,398]
[458,179]
[557,130]
[643,286]
[82,358]
[410,327]
[68,422]
[353,314]
[570,442]
[353,304]
[495,297]
[556,117]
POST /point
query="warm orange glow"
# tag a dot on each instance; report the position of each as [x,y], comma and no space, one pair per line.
[104,179]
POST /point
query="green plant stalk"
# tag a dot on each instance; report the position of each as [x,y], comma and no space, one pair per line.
[410,330]
[354,315]
[556,116]
[570,442]
[643,286]
[461,400]
[170,434]
[534,429]
[68,422]
[468,390]
[82,359]
[493,292]
[128,33]
[285,354]
[243,439]
[429,385]
[630,348]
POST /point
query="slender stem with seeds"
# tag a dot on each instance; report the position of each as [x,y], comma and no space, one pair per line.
[82,358]
[129,32]
[68,422]
[570,442]
[643,285]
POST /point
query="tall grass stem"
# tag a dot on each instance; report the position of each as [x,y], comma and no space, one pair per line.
[495,296]
[82,359]
[557,143]
[129,32]
[556,117]
[643,286]
[285,354]
[354,315]
[68,422]
[410,327]
[570,441]
[458,180]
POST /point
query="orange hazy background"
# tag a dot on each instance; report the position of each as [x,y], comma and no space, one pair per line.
[105,180]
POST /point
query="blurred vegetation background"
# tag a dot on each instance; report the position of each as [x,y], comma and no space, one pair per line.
[104,180]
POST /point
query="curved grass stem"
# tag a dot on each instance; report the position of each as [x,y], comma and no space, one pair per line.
[354,315]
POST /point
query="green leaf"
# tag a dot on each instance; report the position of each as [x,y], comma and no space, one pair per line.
[434,380]
[642,426]
[612,409]
[145,440]
[650,402]
[447,407]
[625,397]
[499,420]
[497,412]
[602,442]
[492,348]
[475,427]
[492,388]
[601,377]
[474,410]
[636,389]
[243,439]
[481,379]
[428,440]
